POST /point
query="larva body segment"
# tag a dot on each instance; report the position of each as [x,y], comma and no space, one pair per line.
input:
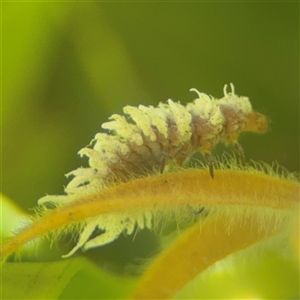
[145,142]
[143,122]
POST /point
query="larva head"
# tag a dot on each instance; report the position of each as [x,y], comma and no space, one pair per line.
[239,116]
[256,122]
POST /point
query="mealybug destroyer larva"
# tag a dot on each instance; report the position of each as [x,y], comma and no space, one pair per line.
[147,140]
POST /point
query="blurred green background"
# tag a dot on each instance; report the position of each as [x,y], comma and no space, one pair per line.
[67,66]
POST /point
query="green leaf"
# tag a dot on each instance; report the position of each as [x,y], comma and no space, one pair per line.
[67,279]
[268,270]
[11,217]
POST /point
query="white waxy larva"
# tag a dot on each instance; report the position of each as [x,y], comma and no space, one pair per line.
[148,141]
[124,129]
[158,119]
[183,120]
[142,121]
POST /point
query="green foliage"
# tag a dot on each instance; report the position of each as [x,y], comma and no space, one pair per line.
[65,279]
[67,66]
[265,271]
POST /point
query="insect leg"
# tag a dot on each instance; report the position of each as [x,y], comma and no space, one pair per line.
[196,212]
[239,149]
[163,164]
[210,162]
